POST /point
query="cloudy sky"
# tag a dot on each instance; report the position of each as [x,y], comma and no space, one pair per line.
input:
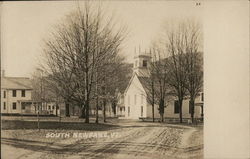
[25,24]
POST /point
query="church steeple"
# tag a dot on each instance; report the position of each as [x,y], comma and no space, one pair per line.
[141,63]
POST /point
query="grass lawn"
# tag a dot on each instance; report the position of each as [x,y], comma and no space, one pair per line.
[64,125]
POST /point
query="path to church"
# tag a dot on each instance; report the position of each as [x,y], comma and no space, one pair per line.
[134,140]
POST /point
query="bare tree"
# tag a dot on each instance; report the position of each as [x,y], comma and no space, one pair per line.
[41,93]
[156,81]
[181,42]
[194,78]
[149,80]
[161,75]
[193,63]
[78,47]
[111,78]
[151,90]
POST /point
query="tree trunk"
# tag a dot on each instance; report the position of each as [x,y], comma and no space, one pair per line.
[202,114]
[96,111]
[153,112]
[67,110]
[56,109]
[180,109]
[87,111]
[83,112]
[153,103]
[38,119]
[86,93]
[192,109]
[161,106]
[104,110]
[114,108]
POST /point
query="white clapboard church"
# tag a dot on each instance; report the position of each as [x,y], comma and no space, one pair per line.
[135,96]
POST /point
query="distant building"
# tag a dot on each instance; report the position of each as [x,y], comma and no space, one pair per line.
[16,95]
[136,104]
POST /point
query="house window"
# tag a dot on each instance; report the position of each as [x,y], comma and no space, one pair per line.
[141,110]
[202,97]
[13,93]
[4,94]
[23,93]
[23,106]
[135,99]
[4,105]
[176,107]
[144,63]
[128,111]
[53,107]
[14,105]
[49,107]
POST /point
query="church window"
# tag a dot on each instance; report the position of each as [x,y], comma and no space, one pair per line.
[141,110]
[144,63]
[128,111]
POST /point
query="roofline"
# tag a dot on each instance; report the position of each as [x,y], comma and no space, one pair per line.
[15,77]
[23,100]
[135,74]
[17,88]
[130,81]
[12,79]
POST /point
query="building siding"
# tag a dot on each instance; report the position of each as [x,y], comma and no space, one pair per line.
[9,100]
[135,89]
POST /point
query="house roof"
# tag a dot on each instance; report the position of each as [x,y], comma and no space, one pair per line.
[146,84]
[146,81]
[15,83]
[129,83]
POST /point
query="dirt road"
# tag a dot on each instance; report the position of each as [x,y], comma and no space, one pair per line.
[133,140]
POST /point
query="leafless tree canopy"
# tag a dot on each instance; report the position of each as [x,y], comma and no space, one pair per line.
[85,44]
[176,68]
[182,43]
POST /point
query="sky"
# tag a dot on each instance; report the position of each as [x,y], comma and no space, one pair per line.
[24,25]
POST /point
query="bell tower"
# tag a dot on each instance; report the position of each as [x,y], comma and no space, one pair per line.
[141,64]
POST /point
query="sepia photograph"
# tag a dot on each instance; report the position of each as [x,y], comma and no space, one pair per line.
[102,79]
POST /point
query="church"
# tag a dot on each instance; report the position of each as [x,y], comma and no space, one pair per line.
[135,96]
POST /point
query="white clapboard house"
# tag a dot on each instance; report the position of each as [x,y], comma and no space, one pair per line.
[135,96]
[16,97]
